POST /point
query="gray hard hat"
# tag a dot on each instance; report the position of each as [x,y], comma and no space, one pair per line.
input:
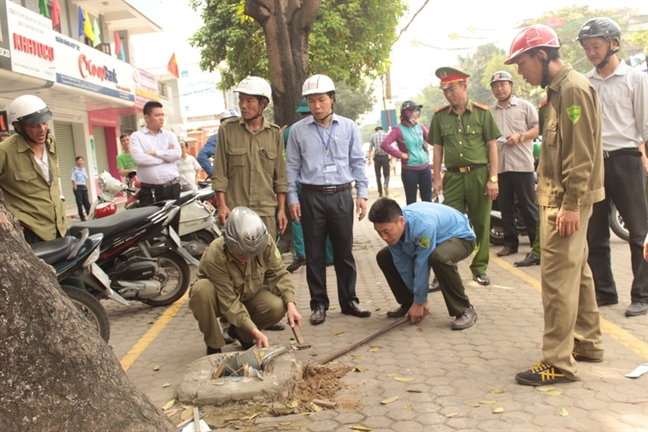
[245,233]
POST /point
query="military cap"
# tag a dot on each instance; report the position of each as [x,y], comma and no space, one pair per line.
[450,75]
[303,107]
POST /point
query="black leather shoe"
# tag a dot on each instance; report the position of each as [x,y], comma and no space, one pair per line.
[276,327]
[319,315]
[354,308]
[297,262]
[528,261]
[227,338]
[211,350]
[434,286]
[602,301]
[233,333]
[399,312]
[481,279]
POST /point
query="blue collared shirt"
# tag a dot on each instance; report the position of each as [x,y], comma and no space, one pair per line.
[79,176]
[426,226]
[205,153]
[306,154]
[160,168]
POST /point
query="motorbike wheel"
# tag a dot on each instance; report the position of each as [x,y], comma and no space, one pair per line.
[496,234]
[174,274]
[198,242]
[91,308]
[617,225]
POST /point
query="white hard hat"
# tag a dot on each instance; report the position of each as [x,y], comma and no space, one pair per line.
[229,112]
[254,86]
[245,233]
[29,109]
[318,84]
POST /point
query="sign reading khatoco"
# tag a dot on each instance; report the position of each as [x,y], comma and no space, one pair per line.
[31,39]
[84,67]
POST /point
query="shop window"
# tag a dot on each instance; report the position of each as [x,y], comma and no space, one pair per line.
[163,90]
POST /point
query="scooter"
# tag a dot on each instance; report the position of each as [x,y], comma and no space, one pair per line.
[198,226]
[74,258]
[142,254]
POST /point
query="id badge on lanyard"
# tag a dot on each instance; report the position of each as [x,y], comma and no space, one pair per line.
[328,164]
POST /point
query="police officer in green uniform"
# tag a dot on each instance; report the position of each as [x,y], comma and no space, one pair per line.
[465,133]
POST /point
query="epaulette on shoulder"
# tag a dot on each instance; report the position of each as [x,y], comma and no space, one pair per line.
[275,126]
[543,103]
[228,120]
[441,108]
[482,106]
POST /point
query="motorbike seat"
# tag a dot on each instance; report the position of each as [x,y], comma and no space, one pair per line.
[120,222]
[205,194]
[185,196]
[54,251]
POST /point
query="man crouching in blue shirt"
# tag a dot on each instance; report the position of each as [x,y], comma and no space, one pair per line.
[420,236]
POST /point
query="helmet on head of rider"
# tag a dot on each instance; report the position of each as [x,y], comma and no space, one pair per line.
[245,233]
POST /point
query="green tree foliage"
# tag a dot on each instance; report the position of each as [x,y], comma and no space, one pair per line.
[352,103]
[431,97]
[350,39]
[475,65]
[521,88]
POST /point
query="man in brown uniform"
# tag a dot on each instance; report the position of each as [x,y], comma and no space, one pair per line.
[29,174]
[249,169]
[570,182]
[241,277]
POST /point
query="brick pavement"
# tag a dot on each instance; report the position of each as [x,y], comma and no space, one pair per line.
[453,370]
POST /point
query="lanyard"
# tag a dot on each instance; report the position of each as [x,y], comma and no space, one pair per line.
[326,144]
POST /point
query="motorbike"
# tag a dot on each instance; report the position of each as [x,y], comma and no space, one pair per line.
[198,225]
[142,255]
[74,259]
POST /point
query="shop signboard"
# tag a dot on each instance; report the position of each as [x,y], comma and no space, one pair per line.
[31,41]
[146,87]
[5,47]
[81,66]
[198,94]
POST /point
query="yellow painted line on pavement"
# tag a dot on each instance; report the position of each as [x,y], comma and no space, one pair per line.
[613,330]
[153,332]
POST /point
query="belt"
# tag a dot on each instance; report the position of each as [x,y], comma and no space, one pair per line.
[327,190]
[81,186]
[161,186]
[621,152]
[465,169]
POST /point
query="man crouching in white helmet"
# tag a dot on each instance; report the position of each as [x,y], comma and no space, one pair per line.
[241,277]
[29,174]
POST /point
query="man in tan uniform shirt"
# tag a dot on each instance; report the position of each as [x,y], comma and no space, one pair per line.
[570,182]
[241,277]
[249,167]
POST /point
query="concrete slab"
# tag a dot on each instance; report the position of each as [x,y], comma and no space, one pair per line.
[198,387]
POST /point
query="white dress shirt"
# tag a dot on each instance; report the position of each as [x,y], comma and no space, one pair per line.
[162,167]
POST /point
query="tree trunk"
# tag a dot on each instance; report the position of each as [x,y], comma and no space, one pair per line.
[286,25]
[56,373]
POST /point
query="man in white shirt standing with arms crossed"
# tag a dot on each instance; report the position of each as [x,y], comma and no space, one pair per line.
[155,151]
[623,92]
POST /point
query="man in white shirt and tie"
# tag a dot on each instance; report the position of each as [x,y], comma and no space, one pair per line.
[155,151]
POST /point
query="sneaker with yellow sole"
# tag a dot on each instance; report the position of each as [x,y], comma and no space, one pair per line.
[541,374]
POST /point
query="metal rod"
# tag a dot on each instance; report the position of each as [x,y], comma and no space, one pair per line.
[362,341]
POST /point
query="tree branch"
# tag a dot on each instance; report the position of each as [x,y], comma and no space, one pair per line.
[260,10]
[307,13]
[412,20]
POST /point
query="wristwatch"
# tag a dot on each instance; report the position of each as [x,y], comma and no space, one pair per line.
[493,179]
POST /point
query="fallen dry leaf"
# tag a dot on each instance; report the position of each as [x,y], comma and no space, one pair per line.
[409,407]
[168,405]
[377,309]
[419,329]
[312,354]
[334,362]
[451,415]
[359,369]
[332,308]
[496,390]
[292,342]
[360,428]
[350,355]
[415,390]
[284,423]
[165,385]
[187,413]
[471,404]
[563,412]
[373,349]
[338,333]
[545,388]
[294,403]
[389,400]
[151,322]
[369,301]
[375,346]
[487,402]
[156,367]
[359,357]
[491,293]
[553,393]
[253,416]
[498,410]
[403,379]
[316,407]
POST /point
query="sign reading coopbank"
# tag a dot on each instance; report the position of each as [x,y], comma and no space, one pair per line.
[84,67]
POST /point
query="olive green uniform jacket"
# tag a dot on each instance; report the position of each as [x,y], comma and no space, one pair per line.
[250,167]
[28,196]
[570,173]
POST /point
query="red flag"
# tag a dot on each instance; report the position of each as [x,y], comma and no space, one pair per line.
[173,66]
[118,46]
[56,14]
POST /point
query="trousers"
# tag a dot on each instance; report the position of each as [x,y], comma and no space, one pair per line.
[82,201]
[415,181]
[381,163]
[521,185]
